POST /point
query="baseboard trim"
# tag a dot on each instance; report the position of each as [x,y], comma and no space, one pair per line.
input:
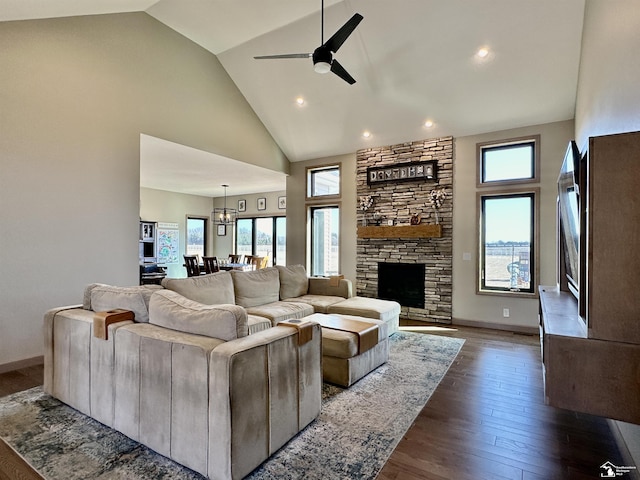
[497,326]
[28,362]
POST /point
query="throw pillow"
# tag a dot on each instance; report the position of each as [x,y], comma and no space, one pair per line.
[258,287]
[171,310]
[293,281]
[213,289]
[107,297]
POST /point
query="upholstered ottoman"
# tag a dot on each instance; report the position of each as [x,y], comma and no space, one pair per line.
[348,356]
[385,310]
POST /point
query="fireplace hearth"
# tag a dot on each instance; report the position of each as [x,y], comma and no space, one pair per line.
[402,282]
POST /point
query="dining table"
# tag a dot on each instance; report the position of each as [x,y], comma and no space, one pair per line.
[242,267]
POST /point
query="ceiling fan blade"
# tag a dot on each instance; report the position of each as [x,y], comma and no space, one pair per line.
[286,55]
[342,73]
[338,38]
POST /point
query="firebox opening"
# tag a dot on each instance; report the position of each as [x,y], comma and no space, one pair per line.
[402,282]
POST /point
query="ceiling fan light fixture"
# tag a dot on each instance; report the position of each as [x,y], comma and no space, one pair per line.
[322,67]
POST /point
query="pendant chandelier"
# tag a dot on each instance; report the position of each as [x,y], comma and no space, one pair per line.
[224,216]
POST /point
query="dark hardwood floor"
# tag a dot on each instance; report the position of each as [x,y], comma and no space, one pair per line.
[486,420]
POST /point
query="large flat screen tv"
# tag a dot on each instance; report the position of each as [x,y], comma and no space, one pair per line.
[569,206]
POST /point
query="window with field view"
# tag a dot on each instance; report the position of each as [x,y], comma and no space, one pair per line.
[507,240]
[196,236]
[507,210]
[264,237]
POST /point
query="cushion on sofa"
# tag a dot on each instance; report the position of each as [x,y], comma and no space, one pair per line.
[279,311]
[171,310]
[257,324]
[136,299]
[320,303]
[257,287]
[293,281]
[213,289]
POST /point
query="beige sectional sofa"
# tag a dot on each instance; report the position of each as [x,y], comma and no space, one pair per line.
[204,374]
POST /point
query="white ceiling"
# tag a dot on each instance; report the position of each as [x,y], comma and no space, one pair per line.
[169,166]
[413,60]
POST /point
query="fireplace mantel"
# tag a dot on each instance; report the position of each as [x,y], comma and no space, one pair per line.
[401,231]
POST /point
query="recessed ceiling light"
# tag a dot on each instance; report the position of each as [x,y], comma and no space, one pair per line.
[428,124]
[482,52]
[300,101]
[366,134]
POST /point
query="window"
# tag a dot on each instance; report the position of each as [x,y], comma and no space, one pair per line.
[323,181]
[263,236]
[244,236]
[196,236]
[508,235]
[281,241]
[507,241]
[508,162]
[325,235]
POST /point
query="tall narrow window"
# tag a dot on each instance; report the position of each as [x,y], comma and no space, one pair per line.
[507,240]
[281,241]
[196,236]
[244,236]
[264,238]
[325,240]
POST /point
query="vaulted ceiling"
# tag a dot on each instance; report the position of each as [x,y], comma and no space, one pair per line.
[413,61]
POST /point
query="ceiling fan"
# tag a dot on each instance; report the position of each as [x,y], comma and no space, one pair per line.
[322,56]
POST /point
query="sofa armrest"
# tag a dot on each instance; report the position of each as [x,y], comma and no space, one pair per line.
[48,334]
[322,286]
[263,389]
[73,356]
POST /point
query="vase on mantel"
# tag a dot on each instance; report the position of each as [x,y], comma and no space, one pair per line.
[437,219]
[364,220]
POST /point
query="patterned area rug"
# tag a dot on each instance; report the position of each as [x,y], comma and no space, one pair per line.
[353,437]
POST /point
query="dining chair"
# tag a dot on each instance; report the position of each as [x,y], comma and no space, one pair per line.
[191,264]
[235,258]
[256,262]
[211,264]
[248,259]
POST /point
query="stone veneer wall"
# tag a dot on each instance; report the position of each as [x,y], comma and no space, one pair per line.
[399,201]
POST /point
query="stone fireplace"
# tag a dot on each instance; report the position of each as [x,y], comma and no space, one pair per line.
[398,202]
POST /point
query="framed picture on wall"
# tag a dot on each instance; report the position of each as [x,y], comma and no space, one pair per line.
[282,203]
[222,230]
[262,203]
[242,205]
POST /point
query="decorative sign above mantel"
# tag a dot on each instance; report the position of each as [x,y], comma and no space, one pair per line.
[402,172]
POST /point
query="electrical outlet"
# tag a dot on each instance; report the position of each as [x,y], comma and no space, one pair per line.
[505,312]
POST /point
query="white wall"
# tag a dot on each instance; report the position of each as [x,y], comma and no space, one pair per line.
[468,306]
[608,99]
[75,95]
